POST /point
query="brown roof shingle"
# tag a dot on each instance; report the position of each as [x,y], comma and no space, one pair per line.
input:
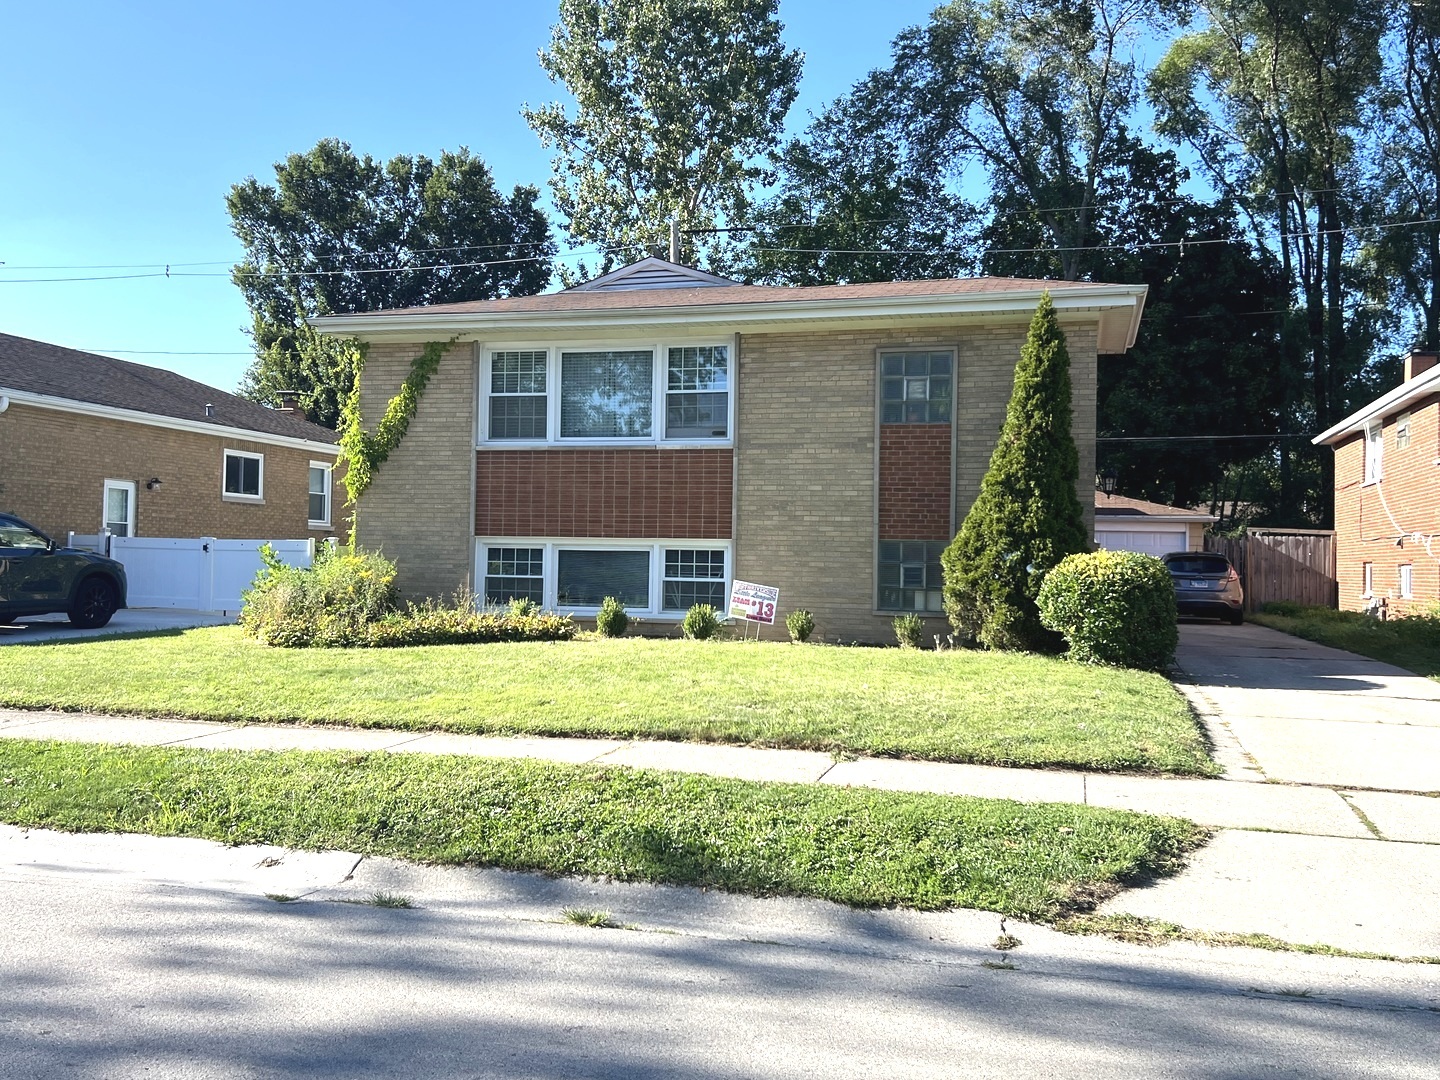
[1121,506]
[36,367]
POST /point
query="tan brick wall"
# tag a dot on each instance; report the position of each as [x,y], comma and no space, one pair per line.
[806,456]
[418,509]
[1364,531]
[53,466]
[652,493]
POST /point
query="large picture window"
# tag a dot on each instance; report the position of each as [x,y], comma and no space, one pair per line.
[660,393]
[585,576]
[915,387]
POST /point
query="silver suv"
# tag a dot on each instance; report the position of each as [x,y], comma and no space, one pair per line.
[1206,585]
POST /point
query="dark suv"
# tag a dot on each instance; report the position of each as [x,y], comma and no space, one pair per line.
[1206,584]
[38,577]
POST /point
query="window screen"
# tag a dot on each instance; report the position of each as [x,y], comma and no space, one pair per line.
[586,577]
[517,394]
[514,573]
[606,395]
[694,577]
[915,387]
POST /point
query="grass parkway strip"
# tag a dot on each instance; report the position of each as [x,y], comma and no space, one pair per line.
[986,708]
[858,847]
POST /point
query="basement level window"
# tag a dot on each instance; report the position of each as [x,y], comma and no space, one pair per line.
[244,475]
[910,576]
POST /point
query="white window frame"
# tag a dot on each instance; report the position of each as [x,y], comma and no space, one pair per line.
[659,348]
[1374,453]
[551,563]
[128,486]
[328,468]
[232,496]
[1402,431]
[1405,574]
[1367,580]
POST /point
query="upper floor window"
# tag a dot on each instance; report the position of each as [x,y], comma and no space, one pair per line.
[1374,448]
[660,393]
[1402,431]
[244,475]
[915,387]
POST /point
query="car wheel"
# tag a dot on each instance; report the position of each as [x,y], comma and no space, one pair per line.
[95,601]
[1235,618]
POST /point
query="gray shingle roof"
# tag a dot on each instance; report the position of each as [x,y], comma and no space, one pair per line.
[36,367]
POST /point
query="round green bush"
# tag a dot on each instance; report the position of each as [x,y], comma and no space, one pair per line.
[701,623]
[611,620]
[1113,607]
[801,625]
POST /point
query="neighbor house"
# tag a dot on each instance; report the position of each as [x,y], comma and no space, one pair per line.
[1123,524]
[659,432]
[1387,494]
[89,443]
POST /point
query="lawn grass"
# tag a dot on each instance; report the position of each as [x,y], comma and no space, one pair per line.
[995,708]
[854,846]
[1413,644]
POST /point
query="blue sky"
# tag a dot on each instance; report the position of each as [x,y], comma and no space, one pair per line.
[122,126]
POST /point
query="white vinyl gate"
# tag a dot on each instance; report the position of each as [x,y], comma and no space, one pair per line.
[200,574]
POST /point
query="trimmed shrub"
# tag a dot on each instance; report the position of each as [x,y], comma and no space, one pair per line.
[701,623]
[801,625]
[434,624]
[1027,516]
[611,620]
[1113,607]
[909,630]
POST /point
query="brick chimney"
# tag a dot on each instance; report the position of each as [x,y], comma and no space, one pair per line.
[1419,362]
[290,402]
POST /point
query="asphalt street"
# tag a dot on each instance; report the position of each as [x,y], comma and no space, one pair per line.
[142,957]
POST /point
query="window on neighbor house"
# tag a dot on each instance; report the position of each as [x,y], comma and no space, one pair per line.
[915,387]
[518,404]
[1374,448]
[909,573]
[244,475]
[1368,579]
[514,573]
[694,576]
[319,494]
[1402,431]
[697,392]
[1407,581]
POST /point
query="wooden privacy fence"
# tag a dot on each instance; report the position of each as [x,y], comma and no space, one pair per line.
[1282,564]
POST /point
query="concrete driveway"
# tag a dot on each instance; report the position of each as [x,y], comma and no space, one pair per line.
[126,621]
[1307,714]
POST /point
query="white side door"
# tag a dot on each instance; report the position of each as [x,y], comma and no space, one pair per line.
[119,512]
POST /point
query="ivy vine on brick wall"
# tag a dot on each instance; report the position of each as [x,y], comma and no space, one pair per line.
[364,453]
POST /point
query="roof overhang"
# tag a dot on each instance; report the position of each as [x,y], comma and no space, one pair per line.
[1115,308]
[1407,393]
[172,423]
[1142,519]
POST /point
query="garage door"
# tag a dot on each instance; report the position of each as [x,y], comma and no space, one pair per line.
[1148,542]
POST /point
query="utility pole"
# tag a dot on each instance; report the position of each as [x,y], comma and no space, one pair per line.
[674,239]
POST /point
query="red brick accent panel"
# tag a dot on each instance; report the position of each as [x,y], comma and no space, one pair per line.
[915,482]
[644,493]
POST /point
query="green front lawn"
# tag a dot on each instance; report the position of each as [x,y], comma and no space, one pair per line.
[997,708]
[1412,643]
[854,846]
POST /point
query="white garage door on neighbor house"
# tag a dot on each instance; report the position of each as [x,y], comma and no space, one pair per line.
[1123,524]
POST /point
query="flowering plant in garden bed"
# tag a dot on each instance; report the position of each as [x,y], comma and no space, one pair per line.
[348,600]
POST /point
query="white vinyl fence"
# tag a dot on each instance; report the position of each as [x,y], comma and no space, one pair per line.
[201,574]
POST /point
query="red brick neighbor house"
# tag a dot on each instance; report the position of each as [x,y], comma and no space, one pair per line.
[1123,524]
[659,432]
[89,443]
[1387,495]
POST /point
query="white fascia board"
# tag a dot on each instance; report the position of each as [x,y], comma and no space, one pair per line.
[1423,385]
[1117,334]
[172,423]
[1129,524]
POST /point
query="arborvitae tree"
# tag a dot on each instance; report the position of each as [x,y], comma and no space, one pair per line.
[1028,515]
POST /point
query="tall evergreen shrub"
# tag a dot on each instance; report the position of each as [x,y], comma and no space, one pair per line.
[1028,516]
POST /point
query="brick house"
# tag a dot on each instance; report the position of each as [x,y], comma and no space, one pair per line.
[1387,494]
[89,443]
[658,432]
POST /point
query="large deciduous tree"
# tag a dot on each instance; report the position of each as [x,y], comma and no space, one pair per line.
[338,233]
[678,106]
[1027,516]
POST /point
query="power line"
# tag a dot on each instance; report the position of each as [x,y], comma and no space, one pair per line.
[1195,438]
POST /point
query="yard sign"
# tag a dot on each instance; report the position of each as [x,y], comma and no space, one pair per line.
[754,603]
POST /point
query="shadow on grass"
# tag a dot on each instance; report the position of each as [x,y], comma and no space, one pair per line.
[9,635]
